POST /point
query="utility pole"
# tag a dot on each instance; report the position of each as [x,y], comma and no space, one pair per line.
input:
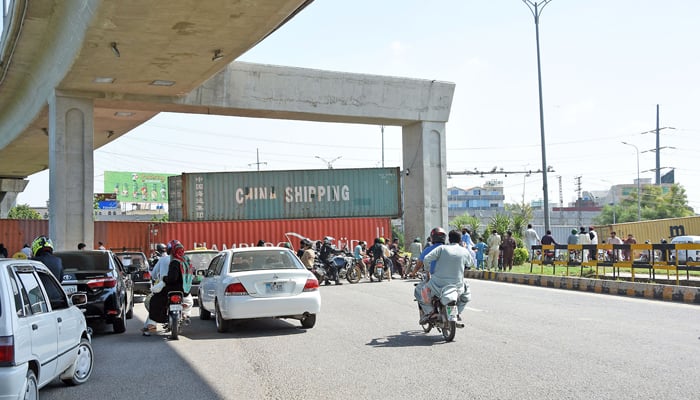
[382,146]
[658,147]
[561,202]
[257,156]
[578,200]
[536,10]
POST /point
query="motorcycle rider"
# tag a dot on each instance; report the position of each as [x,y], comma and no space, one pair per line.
[326,255]
[308,255]
[160,252]
[175,279]
[42,250]
[438,236]
[447,275]
[359,252]
[376,252]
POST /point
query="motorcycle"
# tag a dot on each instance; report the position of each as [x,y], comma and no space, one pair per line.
[344,263]
[320,272]
[354,272]
[176,316]
[400,263]
[379,269]
[445,317]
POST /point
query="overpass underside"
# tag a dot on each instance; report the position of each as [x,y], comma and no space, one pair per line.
[73,120]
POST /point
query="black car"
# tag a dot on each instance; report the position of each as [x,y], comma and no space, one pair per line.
[107,283]
[141,275]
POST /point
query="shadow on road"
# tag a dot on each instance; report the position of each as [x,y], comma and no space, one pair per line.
[408,339]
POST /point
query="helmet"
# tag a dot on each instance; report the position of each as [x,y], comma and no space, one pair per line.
[169,248]
[327,240]
[42,242]
[417,240]
[438,235]
[381,240]
[160,248]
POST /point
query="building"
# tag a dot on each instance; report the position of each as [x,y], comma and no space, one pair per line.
[480,201]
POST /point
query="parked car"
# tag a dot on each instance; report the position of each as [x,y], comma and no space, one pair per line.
[200,259]
[685,255]
[258,282]
[142,275]
[108,285]
[43,335]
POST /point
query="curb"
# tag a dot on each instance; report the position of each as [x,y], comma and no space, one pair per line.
[652,291]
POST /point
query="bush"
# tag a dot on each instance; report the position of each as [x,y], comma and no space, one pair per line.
[520,256]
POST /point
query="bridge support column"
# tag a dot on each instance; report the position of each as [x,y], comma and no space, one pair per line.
[70,171]
[9,188]
[424,179]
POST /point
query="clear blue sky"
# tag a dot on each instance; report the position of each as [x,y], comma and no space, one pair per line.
[605,66]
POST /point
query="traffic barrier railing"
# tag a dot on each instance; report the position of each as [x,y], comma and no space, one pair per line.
[668,257]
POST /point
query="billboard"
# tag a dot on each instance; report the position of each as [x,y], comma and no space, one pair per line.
[262,195]
[141,187]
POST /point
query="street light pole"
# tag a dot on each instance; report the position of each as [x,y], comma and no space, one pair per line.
[536,10]
[639,192]
[329,163]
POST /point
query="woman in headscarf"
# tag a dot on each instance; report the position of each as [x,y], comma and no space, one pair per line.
[176,280]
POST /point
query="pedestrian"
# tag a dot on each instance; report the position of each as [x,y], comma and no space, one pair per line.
[467,238]
[583,239]
[309,255]
[261,243]
[481,248]
[594,240]
[493,242]
[613,239]
[509,245]
[3,251]
[101,246]
[572,239]
[81,246]
[531,239]
[359,252]
[415,249]
[627,254]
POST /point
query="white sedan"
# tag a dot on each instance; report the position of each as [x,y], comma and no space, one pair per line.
[43,335]
[258,282]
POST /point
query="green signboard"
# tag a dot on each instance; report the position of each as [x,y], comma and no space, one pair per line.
[141,187]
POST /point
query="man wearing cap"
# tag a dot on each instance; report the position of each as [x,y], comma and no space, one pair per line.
[572,239]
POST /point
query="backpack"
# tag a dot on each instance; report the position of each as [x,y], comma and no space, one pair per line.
[187,272]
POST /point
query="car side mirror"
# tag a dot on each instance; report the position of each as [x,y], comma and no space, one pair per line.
[78,298]
[201,272]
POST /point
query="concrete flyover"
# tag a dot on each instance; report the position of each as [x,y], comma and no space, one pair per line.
[76,75]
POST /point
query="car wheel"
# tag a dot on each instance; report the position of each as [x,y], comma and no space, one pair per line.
[309,321]
[31,387]
[119,324]
[130,313]
[82,366]
[221,323]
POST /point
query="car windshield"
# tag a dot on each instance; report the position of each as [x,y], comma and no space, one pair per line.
[262,260]
[84,261]
[136,259]
[201,260]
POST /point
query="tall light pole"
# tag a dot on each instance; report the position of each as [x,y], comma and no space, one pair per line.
[536,8]
[639,192]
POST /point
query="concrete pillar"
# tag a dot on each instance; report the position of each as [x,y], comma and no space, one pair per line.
[425,179]
[70,171]
[9,188]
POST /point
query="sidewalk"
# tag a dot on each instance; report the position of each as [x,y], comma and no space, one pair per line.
[656,291]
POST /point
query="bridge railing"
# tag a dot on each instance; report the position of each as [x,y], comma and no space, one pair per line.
[666,257]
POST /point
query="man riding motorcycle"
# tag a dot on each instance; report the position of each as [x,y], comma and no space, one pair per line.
[377,252]
[326,255]
[446,279]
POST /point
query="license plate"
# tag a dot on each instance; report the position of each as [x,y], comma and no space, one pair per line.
[275,287]
[176,307]
[452,313]
[70,289]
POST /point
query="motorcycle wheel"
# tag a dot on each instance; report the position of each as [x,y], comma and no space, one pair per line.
[353,275]
[449,328]
[380,276]
[427,327]
[174,322]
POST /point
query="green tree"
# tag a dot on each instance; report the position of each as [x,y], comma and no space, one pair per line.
[654,203]
[23,211]
[500,222]
[470,222]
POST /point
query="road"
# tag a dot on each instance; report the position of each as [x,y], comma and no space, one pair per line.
[520,342]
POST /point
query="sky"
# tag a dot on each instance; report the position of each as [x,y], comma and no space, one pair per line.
[605,67]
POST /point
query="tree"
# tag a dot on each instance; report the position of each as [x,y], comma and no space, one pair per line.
[23,211]
[654,203]
[470,222]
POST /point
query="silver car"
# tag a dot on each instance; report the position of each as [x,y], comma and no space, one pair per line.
[43,335]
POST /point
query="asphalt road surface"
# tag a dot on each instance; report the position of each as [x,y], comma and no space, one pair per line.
[520,342]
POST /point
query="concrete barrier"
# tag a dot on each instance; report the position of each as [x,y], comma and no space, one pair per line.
[652,291]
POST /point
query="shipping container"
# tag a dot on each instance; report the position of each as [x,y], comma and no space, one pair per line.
[143,236]
[299,194]
[654,230]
